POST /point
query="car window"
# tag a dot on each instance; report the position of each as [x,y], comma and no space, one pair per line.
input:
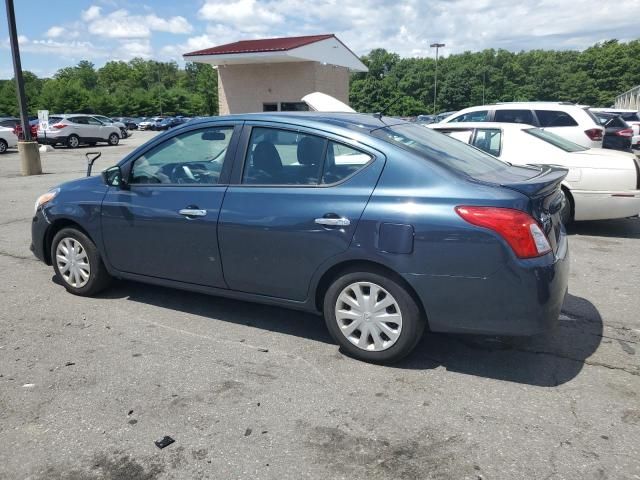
[488,140]
[514,116]
[553,118]
[342,161]
[93,121]
[477,116]
[79,120]
[194,157]
[555,140]
[631,116]
[443,150]
[283,157]
[462,135]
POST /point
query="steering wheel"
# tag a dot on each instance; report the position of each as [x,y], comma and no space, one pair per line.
[182,174]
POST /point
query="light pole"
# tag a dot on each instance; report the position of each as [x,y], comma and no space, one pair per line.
[437,46]
[29,154]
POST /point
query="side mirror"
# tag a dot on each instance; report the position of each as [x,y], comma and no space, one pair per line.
[115,177]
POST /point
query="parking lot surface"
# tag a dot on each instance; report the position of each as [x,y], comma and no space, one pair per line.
[248,391]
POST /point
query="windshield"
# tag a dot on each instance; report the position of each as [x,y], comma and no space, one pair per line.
[442,149]
[555,140]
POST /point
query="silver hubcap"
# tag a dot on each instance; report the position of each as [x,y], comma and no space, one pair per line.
[73,141]
[3,147]
[114,139]
[73,262]
[368,316]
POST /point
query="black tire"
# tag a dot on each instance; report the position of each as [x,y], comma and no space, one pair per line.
[3,146]
[124,132]
[98,278]
[566,214]
[114,139]
[413,322]
[73,141]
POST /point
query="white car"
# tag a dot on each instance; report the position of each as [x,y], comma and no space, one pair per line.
[601,184]
[74,130]
[632,117]
[149,123]
[565,119]
[8,139]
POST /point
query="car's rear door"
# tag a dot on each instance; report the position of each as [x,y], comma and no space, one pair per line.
[295,201]
[164,223]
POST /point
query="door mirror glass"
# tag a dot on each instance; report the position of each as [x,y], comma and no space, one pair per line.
[112,176]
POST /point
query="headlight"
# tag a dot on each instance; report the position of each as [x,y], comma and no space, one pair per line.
[46,198]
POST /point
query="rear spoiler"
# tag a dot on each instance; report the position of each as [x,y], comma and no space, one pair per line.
[542,184]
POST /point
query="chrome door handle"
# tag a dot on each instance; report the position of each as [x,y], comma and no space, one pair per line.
[333,222]
[192,212]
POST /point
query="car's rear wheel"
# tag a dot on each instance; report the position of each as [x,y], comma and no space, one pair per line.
[114,139]
[124,132]
[3,146]
[372,317]
[77,263]
[73,141]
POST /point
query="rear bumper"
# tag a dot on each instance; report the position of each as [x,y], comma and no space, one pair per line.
[51,140]
[524,298]
[601,205]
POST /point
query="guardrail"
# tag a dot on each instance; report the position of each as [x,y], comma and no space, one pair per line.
[629,99]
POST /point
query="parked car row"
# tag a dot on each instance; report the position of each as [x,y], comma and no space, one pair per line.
[161,123]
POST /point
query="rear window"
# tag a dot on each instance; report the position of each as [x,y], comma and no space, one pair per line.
[514,116]
[555,140]
[631,116]
[554,118]
[440,148]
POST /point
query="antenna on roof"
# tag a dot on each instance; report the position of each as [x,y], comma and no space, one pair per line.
[388,106]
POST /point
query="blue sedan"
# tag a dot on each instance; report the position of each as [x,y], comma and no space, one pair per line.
[383,226]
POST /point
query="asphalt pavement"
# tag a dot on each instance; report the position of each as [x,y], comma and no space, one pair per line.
[247,391]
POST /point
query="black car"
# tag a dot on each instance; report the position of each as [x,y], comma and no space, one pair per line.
[618,133]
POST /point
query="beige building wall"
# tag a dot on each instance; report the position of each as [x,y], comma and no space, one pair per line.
[245,88]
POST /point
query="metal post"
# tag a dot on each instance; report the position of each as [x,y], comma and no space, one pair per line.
[435,83]
[28,149]
[17,68]
[484,74]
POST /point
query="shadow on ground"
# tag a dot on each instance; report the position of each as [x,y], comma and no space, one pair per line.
[545,360]
[621,228]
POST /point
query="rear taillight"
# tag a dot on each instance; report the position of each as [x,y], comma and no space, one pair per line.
[58,126]
[594,134]
[520,230]
[627,132]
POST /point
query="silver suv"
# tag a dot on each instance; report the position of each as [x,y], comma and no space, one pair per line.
[76,129]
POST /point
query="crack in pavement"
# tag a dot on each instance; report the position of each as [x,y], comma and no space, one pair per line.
[17,257]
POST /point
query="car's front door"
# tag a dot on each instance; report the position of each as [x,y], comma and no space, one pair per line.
[296,204]
[164,222]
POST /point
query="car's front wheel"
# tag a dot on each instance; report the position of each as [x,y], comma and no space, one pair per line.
[372,317]
[114,139]
[77,263]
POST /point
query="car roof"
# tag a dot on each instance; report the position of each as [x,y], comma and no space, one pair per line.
[470,125]
[349,120]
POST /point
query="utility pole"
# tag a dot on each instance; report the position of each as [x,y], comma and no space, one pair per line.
[484,75]
[29,154]
[437,46]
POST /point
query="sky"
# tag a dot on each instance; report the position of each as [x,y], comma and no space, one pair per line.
[56,34]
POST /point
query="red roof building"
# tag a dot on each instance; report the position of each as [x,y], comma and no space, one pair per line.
[273,74]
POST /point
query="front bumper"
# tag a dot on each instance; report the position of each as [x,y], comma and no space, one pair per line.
[39,229]
[599,205]
[522,298]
